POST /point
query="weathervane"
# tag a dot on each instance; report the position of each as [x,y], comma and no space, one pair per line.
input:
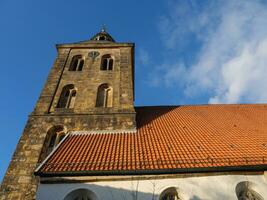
[104,28]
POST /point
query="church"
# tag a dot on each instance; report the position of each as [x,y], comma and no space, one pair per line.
[85,139]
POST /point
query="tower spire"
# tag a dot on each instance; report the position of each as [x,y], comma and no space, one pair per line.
[103,35]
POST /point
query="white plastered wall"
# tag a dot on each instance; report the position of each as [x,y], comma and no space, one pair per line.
[216,187]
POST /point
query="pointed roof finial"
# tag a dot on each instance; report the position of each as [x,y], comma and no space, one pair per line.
[103,35]
[104,28]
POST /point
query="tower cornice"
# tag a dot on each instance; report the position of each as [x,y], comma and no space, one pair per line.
[95,45]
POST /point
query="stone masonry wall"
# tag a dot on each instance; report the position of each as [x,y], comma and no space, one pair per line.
[19,182]
[91,77]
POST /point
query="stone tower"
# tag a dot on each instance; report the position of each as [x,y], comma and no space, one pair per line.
[90,87]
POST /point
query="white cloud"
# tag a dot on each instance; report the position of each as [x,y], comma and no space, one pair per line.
[231,65]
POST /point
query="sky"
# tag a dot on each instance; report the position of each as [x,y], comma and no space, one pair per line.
[187,51]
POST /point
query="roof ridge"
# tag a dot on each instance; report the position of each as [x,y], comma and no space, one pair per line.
[91,132]
[196,105]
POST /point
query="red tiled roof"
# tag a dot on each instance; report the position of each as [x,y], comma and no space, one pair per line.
[170,138]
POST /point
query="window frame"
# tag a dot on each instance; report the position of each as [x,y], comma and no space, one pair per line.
[78,67]
[67,99]
[245,188]
[109,61]
[170,191]
[105,101]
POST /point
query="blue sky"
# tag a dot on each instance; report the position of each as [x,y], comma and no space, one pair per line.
[187,51]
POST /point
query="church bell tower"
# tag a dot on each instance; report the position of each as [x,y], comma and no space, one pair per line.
[89,88]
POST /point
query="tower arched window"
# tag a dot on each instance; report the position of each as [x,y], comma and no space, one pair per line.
[245,191]
[67,97]
[56,133]
[54,136]
[106,62]
[104,96]
[170,194]
[76,63]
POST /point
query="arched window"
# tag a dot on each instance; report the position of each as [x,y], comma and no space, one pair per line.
[53,137]
[244,191]
[67,97]
[104,96]
[76,63]
[52,140]
[170,194]
[106,62]
[56,133]
[81,194]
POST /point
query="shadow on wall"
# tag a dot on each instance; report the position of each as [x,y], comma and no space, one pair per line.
[87,191]
[195,198]
[131,195]
[143,190]
[96,192]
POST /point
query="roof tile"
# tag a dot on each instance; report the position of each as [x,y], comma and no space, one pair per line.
[170,138]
